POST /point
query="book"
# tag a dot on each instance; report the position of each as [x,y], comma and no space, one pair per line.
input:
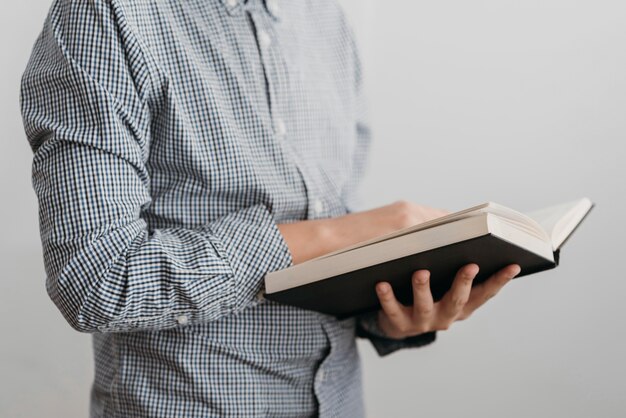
[342,283]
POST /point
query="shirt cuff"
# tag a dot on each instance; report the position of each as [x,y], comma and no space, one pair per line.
[253,245]
[367,327]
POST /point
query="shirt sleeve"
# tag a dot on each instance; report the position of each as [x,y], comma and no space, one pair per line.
[85,101]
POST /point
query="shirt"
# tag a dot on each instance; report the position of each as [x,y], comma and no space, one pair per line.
[169,139]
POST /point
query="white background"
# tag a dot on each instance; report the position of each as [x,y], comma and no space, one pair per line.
[522,103]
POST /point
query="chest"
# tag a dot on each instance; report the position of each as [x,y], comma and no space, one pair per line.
[247,106]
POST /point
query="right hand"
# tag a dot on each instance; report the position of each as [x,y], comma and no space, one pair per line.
[398,321]
[312,238]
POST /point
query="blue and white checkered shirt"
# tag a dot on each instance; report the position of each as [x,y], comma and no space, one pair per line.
[169,139]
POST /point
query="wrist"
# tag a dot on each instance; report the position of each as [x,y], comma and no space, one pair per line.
[309,239]
[386,329]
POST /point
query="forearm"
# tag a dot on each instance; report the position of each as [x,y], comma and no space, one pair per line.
[308,239]
[313,238]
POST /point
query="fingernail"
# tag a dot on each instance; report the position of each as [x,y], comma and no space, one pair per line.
[517,271]
[470,273]
[383,288]
[420,279]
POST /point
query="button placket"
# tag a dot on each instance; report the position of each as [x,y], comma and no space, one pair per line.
[267,53]
[273,7]
[318,207]
[280,128]
[265,40]
[270,59]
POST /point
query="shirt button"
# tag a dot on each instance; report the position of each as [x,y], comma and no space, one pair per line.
[272,6]
[232,3]
[264,39]
[182,319]
[318,206]
[280,127]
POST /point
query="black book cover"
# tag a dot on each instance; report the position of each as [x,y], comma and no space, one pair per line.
[354,292]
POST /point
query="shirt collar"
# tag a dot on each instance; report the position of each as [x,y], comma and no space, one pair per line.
[234,7]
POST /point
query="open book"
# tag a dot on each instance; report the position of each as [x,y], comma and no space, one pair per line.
[342,283]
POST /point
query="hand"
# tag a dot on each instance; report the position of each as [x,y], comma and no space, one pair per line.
[312,238]
[399,215]
[399,321]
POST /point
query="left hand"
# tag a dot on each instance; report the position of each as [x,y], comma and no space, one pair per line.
[399,321]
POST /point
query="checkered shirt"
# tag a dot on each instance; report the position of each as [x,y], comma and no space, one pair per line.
[169,138]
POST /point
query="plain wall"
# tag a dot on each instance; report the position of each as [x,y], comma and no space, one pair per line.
[522,103]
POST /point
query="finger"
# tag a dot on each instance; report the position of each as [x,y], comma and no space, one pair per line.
[481,293]
[442,212]
[394,310]
[423,304]
[451,305]
[435,213]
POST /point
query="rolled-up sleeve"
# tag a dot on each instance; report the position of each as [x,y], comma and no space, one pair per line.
[87,118]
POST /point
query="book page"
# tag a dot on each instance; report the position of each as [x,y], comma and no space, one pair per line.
[560,220]
[521,220]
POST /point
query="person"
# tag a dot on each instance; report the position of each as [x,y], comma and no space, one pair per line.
[183,149]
